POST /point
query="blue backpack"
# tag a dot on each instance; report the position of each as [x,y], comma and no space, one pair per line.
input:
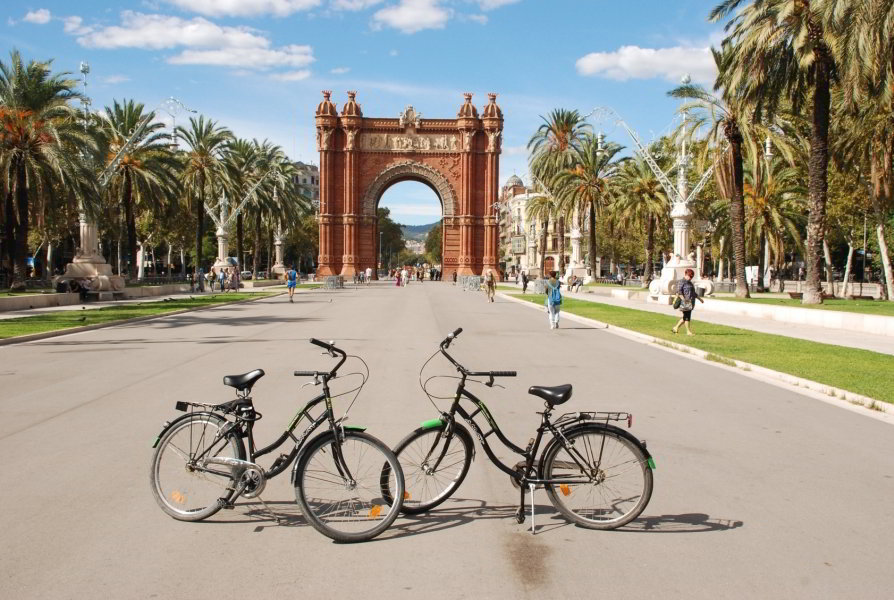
[555,296]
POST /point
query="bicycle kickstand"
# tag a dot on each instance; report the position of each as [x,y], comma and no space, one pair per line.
[532,487]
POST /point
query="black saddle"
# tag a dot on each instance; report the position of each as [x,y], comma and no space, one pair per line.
[244,381]
[554,395]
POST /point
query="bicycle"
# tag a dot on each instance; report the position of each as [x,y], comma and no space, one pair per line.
[596,474]
[201,464]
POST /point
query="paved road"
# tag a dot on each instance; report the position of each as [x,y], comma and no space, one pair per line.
[759,492]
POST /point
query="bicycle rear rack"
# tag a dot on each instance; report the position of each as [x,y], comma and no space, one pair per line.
[600,416]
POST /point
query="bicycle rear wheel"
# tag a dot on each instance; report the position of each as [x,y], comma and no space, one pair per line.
[182,488]
[433,466]
[342,499]
[620,479]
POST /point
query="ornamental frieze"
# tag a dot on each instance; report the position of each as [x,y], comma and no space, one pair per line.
[409,142]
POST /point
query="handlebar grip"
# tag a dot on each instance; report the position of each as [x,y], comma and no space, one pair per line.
[321,344]
[305,373]
[457,331]
[503,373]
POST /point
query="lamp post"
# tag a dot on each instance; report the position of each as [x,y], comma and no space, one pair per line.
[381,252]
[174,107]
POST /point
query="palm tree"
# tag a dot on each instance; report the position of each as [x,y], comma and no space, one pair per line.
[781,50]
[641,202]
[241,162]
[146,175]
[586,186]
[204,172]
[39,135]
[541,208]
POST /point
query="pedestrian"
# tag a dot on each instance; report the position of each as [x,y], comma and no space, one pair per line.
[213,279]
[454,278]
[397,278]
[369,275]
[553,300]
[234,280]
[222,279]
[686,295]
[291,282]
[524,278]
[490,285]
[201,280]
[404,276]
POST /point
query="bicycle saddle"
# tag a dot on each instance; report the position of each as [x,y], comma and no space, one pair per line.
[554,395]
[244,381]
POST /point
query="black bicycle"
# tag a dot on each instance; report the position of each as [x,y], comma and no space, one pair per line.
[595,473]
[201,464]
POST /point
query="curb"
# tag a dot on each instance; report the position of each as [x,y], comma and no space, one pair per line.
[806,387]
[20,339]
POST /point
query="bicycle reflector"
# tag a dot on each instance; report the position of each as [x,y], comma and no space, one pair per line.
[629,421]
[566,489]
[375,511]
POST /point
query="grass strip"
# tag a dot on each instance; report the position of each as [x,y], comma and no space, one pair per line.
[860,371]
[67,319]
[868,307]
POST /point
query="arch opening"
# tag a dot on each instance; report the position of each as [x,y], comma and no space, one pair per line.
[409,216]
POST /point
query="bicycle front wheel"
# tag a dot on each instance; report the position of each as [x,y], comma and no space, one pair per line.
[599,478]
[181,486]
[434,466]
[339,486]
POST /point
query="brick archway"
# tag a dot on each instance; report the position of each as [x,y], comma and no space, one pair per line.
[362,157]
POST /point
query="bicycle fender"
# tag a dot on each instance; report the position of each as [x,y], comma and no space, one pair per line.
[432,423]
[458,429]
[168,424]
[602,426]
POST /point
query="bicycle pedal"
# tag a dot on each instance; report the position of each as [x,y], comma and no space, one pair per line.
[520,516]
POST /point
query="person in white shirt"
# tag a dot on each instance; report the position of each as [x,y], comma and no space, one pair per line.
[369,274]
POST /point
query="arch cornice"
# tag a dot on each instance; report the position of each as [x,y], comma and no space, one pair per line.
[410,169]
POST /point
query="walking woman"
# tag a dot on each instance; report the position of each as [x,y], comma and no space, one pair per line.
[553,300]
[490,285]
[688,295]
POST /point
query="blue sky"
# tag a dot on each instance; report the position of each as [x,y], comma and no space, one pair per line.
[257,66]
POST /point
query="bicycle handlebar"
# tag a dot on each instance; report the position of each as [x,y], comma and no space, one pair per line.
[332,350]
[446,344]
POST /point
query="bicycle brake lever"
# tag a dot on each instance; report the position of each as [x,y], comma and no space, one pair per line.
[490,382]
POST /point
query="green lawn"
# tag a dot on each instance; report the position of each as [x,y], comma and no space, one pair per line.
[869,307]
[861,371]
[52,321]
[615,285]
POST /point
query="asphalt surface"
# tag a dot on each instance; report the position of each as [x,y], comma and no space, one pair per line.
[759,491]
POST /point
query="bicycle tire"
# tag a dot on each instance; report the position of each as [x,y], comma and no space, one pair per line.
[334,507]
[182,492]
[622,470]
[423,487]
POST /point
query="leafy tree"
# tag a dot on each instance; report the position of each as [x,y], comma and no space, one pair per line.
[433,243]
[391,234]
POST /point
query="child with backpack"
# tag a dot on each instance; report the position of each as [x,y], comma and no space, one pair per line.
[553,300]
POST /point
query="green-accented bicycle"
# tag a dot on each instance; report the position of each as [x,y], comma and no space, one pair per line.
[596,474]
[201,463]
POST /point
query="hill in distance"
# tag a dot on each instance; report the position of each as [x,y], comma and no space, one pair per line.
[417,232]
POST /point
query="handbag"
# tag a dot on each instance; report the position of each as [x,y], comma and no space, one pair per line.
[677,302]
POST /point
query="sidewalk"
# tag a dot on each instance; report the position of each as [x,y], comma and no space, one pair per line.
[837,337]
[30,312]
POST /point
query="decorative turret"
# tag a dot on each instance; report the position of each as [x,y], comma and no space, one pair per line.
[492,110]
[326,108]
[351,108]
[467,110]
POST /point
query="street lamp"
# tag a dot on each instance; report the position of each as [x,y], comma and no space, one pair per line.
[174,107]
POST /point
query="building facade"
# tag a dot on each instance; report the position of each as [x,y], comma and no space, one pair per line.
[307,179]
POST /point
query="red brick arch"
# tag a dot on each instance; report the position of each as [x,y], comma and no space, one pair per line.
[362,157]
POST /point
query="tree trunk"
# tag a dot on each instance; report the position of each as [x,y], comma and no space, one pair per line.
[818,180]
[827,257]
[21,249]
[591,239]
[239,239]
[737,215]
[847,267]
[543,235]
[182,261]
[720,259]
[169,267]
[650,246]
[878,210]
[130,222]
[48,268]
[200,225]
[256,254]
[9,228]
[561,225]
[761,263]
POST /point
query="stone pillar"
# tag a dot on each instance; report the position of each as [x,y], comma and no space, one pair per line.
[88,263]
[326,121]
[278,267]
[223,238]
[350,256]
[492,120]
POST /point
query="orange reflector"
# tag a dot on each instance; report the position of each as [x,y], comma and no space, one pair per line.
[375,511]
[178,497]
[566,490]
[406,495]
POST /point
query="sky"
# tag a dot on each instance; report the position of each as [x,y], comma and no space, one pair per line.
[258,66]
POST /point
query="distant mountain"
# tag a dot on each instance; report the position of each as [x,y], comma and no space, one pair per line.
[417,232]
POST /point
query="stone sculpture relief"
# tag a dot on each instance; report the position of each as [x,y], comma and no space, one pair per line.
[389,142]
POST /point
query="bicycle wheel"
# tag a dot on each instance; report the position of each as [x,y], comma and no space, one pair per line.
[183,489]
[428,485]
[347,505]
[621,480]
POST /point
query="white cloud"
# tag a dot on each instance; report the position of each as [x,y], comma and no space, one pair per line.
[633,62]
[492,4]
[112,79]
[515,150]
[291,75]
[354,4]
[10,21]
[244,8]
[340,70]
[412,16]
[75,25]
[204,42]
[393,53]
[41,16]
[259,58]
[480,19]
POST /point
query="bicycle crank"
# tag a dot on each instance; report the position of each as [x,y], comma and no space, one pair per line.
[252,480]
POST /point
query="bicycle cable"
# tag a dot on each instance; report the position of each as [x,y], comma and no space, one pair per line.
[432,397]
